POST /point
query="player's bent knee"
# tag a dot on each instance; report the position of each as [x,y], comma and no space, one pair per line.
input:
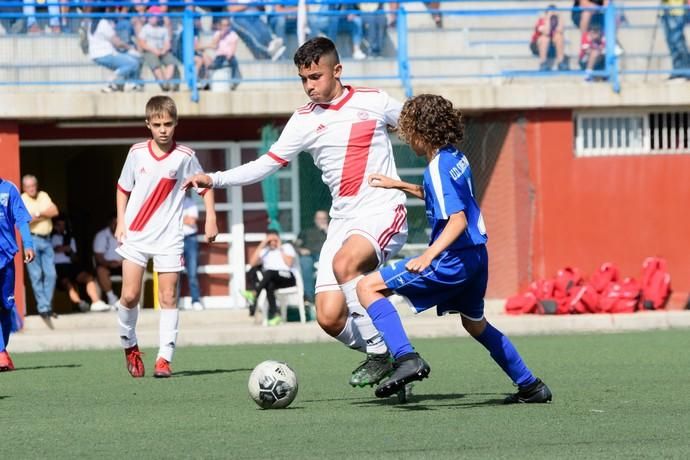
[129,298]
[474,328]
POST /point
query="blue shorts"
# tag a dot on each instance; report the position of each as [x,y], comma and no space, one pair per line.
[7,285]
[455,282]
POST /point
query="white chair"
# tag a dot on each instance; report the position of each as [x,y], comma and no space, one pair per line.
[293,295]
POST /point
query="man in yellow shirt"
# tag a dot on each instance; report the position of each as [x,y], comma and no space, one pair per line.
[42,271]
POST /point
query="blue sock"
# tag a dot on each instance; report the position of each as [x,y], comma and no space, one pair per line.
[505,355]
[5,327]
[387,321]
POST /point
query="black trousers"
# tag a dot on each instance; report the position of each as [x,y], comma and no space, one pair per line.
[270,280]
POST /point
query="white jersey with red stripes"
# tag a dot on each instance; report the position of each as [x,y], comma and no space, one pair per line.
[153,216]
[348,139]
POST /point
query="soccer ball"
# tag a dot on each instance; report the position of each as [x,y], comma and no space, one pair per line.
[273,385]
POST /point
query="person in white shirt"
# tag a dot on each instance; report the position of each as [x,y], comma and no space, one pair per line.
[106,49]
[345,129]
[276,263]
[108,262]
[149,226]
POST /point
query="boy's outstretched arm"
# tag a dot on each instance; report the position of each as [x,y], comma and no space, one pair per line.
[210,225]
[457,223]
[248,173]
[379,180]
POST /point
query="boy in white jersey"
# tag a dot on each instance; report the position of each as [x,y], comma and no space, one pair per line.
[345,131]
[149,225]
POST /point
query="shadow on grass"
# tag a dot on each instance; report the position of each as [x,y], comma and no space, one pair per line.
[55,366]
[208,372]
[415,401]
[3,397]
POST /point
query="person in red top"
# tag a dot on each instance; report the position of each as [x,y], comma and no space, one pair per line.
[548,42]
[592,51]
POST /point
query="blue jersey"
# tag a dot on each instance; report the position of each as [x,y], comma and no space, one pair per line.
[447,191]
[12,212]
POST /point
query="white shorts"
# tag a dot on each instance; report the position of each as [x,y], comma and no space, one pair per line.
[386,231]
[162,263]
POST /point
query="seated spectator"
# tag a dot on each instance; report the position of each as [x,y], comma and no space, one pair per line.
[272,268]
[11,24]
[592,52]
[106,49]
[674,21]
[284,18]
[547,40]
[585,19]
[309,243]
[254,32]
[29,10]
[374,27]
[69,273]
[330,25]
[224,45]
[108,261]
[155,42]
[432,6]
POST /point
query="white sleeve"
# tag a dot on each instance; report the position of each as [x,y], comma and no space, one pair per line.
[391,110]
[126,180]
[99,244]
[289,250]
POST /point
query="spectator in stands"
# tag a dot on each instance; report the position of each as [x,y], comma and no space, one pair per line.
[432,6]
[69,273]
[584,19]
[592,52]
[374,27]
[326,22]
[29,10]
[309,243]
[108,261]
[224,44]
[254,32]
[547,40]
[42,271]
[11,24]
[106,49]
[674,20]
[272,268]
[190,216]
[155,42]
[282,19]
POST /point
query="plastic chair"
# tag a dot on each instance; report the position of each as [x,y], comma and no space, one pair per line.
[293,295]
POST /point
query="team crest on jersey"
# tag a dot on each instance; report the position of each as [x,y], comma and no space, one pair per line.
[4,199]
[362,115]
[172,173]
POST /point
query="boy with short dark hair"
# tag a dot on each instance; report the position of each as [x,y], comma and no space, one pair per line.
[149,226]
[451,274]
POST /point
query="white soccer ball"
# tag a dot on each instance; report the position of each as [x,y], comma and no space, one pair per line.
[273,385]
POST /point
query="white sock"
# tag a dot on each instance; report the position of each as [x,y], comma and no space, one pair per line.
[127,320]
[112,298]
[169,321]
[362,321]
[351,337]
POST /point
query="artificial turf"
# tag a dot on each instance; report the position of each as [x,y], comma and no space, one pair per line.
[615,396]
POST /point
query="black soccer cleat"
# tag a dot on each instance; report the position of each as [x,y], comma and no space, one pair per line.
[406,369]
[535,392]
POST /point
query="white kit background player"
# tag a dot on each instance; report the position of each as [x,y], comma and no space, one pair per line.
[345,130]
[149,225]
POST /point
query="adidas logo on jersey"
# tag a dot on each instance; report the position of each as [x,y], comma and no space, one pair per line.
[321,128]
[142,170]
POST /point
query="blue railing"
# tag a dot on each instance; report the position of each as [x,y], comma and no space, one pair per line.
[408,65]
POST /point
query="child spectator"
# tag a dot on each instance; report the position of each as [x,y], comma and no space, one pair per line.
[592,51]
[547,40]
[155,41]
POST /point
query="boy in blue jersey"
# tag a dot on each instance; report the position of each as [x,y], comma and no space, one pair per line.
[12,212]
[452,272]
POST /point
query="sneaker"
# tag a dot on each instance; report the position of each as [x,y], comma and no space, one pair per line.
[100,306]
[250,297]
[83,306]
[47,317]
[372,370]
[536,392]
[274,45]
[544,67]
[135,365]
[6,363]
[197,306]
[134,87]
[111,88]
[358,54]
[162,370]
[276,320]
[406,369]
[278,53]
[563,65]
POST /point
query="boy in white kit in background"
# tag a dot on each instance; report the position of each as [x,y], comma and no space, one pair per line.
[345,129]
[149,225]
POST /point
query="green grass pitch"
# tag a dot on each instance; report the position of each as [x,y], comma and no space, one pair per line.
[615,396]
